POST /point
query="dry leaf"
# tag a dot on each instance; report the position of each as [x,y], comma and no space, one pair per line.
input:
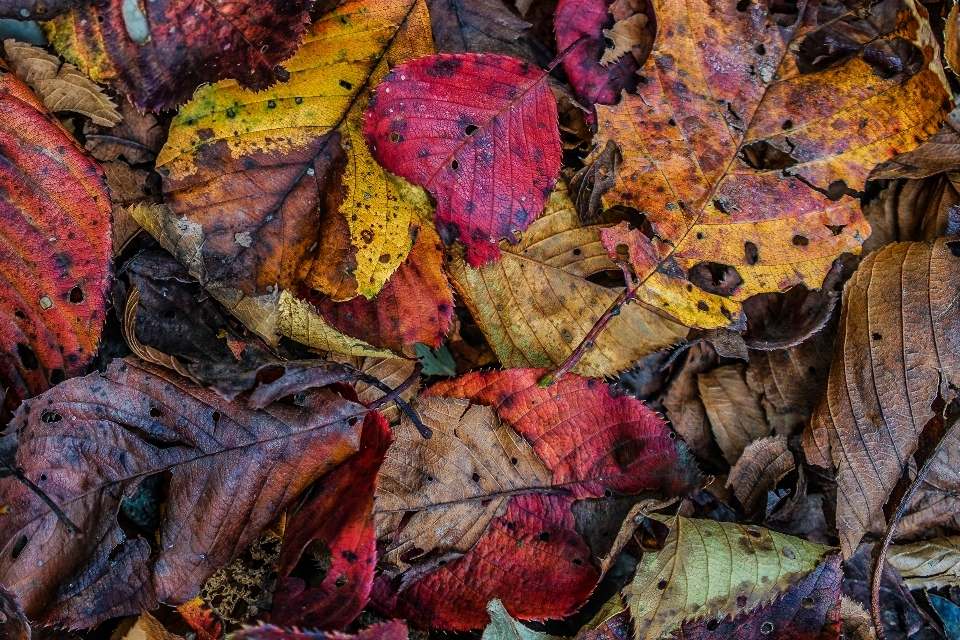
[629,34]
[60,85]
[929,564]
[762,465]
[145,627]
[736,417]
[682,400]
[898,349]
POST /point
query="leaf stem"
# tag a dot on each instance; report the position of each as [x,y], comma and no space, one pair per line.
[875,611]
[590,339]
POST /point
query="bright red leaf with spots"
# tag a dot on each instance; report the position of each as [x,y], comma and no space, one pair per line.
[55,249]
[534,558]
[480,133]
[339,513]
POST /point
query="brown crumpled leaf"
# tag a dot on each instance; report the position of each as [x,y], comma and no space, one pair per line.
[144,627]
[857,624]
[682,401]
[13,624]
[898,350]
[734,410]
[628,35]
[928,564]
[137,138]
[90,442]
[483,26]
[472,474]
[763,464]
[59,84]
[935,508]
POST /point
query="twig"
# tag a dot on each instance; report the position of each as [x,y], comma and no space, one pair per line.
[47,500]
[394,394]
[895,518]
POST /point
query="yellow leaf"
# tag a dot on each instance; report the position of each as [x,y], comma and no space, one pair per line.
[535,305]
[280,183]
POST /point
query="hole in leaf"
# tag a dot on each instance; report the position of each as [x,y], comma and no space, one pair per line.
[76,295]
[49,417]
[27,357]
[721,279]
[751,253]
[876,336]
[342,580]
[800,241]
[806,603]
[766,628]
[57,376]
[471,129]
[763,156]
[835,229]
[743,5]
[476,477]
[346,85]
[672,122]
[607,493]
[19,315]
[577,252]
[514,461]
[760,49]
[712,625]
[216,416]
[662,585]
[544,536]
[753,533]
[954,246]
[787,124]
[394,136]
[155,413]
[455,165]
[352,421]
[18,547]
[577,561]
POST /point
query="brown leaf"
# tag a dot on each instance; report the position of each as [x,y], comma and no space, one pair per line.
[137,138]
[929,564]
[60,85]
[90,442]
[144,627]
[390,371]
[935,509]
[13,624]
[483,26]
[736,417]
[939,154]
[629,34]
[761,466]
[454,484]
[898,349]
[914,210]
[682,400]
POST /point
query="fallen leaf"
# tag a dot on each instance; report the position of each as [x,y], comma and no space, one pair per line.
[446,491]
[296,200]
[734,581]
[951,36]
[734,410]
[580,25]
[735,120]
[934,510]
[612,622]
[60,85]
[338,515]
[158,53]
[144,627]
[415,304]
[492,122]
[243,589]
[13,624]
[684,407]
[91,441]
[392,630]
[856,621]
[503,627]
[895,354]
[630,35]
[928,564]
[536,304]
[137,138]
[531,557]
[56,259]
[763,463]
[483,26]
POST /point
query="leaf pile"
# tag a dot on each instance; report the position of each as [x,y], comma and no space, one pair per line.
[527,320]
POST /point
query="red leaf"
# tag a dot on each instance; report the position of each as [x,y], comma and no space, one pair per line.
[415,305]
[55,252]
[177,45]
[339,513]
[582,432]
[593,82]
[391,630]
[531,558]
[479,132]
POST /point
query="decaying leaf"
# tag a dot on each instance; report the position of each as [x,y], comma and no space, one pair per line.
[90,442]
[446,490]
[761,466]
[60,85]
[536,304]
[630,35]
[414,306]
[55,260]
[684,407]
[479,133]
[897,352]
[337,518]
[531,557]
[928,564]
[482,26]
[503,627]
[158,53]
[392,630]
[143,627]
[576,20]
[294,199]
[13,624]
[742,112]
[137,138]
[390,371]
[244,588]
[733,581]
[734,410]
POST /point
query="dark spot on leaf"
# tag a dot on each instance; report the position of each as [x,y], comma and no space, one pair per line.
[751,253]
[19,546]
[27,357]
[155,412]
[346,85]
[544,536]
[662,585]
[800,241]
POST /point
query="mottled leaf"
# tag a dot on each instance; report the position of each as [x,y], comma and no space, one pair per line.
[276,190]
[479,132]
[742,143]
[483,26]
[392,630]
[55,258]
[744,579]
[159,52]
[537,303]
[503,627]
[90,442]
[338,515]
[896,352]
